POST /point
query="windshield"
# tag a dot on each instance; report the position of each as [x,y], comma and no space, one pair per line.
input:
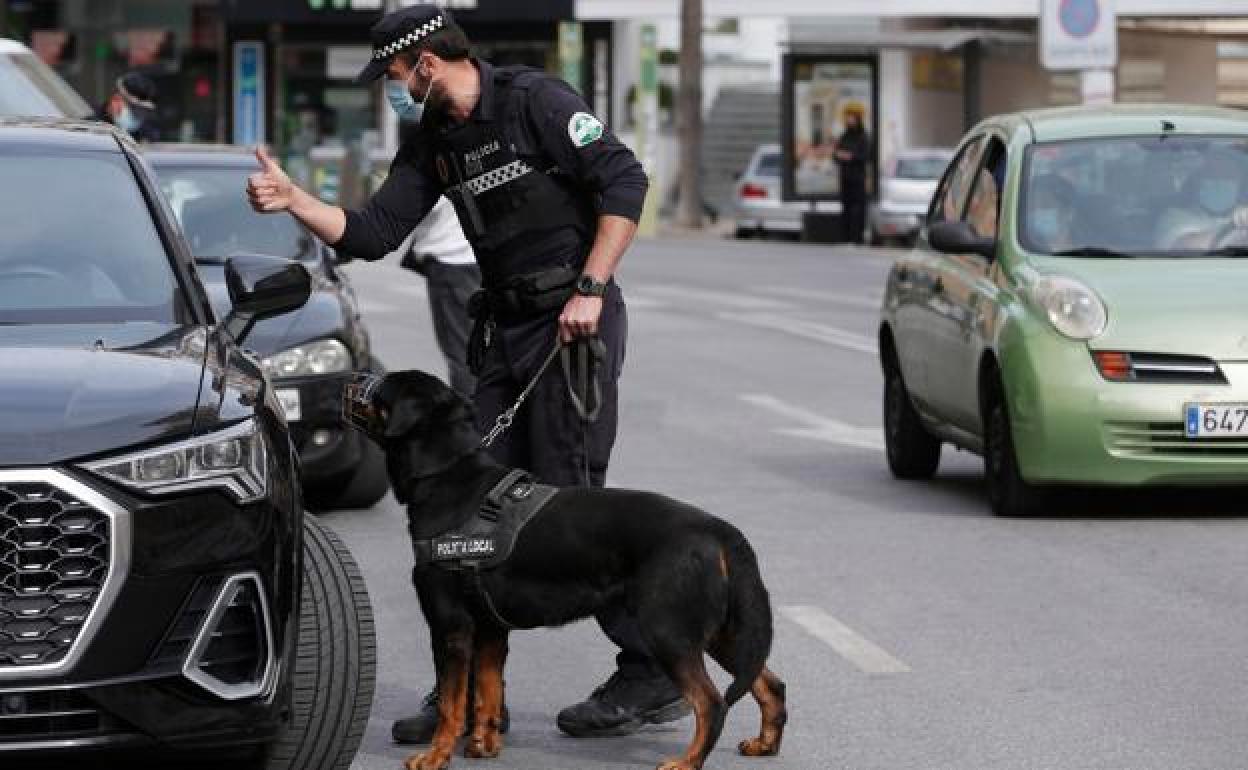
[79,244]
[769,165]
[211,205]
[1165,195]
[29,87]
[926,167]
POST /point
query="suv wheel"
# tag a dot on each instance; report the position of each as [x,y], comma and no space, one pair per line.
[1008,493]
[913,453]
[335,663]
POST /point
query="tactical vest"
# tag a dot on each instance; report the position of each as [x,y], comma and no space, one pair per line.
[499,196]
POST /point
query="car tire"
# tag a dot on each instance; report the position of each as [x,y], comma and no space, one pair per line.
[913,453]
[1009,494]
[335,663]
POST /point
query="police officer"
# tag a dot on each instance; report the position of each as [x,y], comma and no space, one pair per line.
[132,107]
[549,200]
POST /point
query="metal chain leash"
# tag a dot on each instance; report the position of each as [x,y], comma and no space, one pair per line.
[504,420]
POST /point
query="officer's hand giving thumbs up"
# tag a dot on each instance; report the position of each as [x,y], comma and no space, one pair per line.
[269,189]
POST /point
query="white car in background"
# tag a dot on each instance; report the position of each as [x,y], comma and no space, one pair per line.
[760,205]
[30,88]
[906,189]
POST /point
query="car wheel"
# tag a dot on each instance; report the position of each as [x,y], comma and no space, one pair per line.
[335,664]
[913,453]
[1008,493]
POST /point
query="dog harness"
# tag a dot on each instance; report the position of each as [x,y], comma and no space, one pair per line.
[486,540]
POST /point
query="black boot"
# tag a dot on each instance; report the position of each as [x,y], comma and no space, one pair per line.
[622,705]
[419,729]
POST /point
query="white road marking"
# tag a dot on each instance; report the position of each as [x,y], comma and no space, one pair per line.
[817,427]
[846,642]
[810,330]
[864,301]
[721,299]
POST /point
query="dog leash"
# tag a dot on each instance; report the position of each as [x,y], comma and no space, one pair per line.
[504,420]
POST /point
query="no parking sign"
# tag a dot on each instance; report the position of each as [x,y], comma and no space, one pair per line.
[1078,34]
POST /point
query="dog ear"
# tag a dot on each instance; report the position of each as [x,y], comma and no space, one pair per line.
[414,399]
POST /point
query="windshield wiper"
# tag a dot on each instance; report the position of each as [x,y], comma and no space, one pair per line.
[210,260]
[1092,251]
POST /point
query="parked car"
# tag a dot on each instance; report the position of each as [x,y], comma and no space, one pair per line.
[309,355]
[160,585]
[1075,310]
[906,190]
[30,87]
[760,204]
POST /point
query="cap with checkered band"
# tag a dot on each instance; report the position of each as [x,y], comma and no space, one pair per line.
[402,30]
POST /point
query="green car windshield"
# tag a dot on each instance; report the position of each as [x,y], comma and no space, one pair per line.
[1165,195]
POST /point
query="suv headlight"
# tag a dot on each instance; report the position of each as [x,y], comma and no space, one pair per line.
[327,356]
[233,460]
[1073,309]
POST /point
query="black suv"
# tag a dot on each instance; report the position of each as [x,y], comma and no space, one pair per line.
[160,586]
[309,355]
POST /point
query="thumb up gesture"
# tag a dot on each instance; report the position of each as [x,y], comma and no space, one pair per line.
[269,189]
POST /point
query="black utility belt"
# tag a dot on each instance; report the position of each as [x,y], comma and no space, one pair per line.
[526,296]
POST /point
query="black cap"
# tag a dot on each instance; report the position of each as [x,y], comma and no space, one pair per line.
[400,31]
[137,89]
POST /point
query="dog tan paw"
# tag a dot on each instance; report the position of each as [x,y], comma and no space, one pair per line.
[757,747]
[677,764]
[428,761]
[484,746]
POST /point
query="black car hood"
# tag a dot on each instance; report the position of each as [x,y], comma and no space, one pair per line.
[322,315]
[68,392]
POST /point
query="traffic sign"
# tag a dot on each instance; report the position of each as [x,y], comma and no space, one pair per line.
[1078,34]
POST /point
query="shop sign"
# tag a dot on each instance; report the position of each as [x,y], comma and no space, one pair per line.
[1078,34]
[249,127]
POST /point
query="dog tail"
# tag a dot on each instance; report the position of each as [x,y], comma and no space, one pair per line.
[748,629]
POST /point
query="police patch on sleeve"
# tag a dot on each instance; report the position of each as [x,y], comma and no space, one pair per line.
[584,129]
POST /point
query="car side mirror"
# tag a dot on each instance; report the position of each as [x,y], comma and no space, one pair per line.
[262,287]
[959,238]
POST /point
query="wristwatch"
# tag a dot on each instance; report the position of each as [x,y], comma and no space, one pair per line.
[588,286]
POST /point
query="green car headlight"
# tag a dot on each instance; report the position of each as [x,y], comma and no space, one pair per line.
[327,356]
[1074,310]
[233,460]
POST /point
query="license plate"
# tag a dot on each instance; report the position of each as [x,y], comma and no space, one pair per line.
[289,399]
[1204,420]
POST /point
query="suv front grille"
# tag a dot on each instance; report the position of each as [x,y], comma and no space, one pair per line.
[54,560]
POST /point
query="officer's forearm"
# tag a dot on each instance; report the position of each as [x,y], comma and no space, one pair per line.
[326,221]
[615,233]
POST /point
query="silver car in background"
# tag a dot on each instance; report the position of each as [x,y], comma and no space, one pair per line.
[760,205]
[906,189]
[30,88]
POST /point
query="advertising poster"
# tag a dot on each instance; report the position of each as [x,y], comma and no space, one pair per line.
[819,95]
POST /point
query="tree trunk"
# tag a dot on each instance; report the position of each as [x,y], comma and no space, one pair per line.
[689,112]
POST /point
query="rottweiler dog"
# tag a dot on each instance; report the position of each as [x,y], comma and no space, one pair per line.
[690,579]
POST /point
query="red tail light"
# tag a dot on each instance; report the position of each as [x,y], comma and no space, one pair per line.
[750,190]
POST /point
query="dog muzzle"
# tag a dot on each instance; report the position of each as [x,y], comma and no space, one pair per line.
[358,407]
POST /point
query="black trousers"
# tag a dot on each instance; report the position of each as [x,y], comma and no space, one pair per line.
[854,207]
[550,440]
[450,288]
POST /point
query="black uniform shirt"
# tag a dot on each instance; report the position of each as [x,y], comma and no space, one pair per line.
[541,129]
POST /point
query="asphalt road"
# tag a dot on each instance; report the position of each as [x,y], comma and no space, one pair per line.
[913,628]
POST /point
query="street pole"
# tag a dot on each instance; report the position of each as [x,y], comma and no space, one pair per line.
[689,111]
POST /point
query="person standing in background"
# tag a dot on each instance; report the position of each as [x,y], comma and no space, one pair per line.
[853,150]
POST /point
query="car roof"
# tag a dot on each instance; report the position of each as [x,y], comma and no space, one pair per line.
[1066,123]
[12,46]
[203,155]
[61,134]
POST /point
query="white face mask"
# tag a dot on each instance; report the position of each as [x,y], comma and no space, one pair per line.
[126,120]
[400,98]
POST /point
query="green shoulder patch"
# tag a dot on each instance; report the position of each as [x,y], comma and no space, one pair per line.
[584,129]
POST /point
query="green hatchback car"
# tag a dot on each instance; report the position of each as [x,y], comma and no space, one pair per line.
[1076,310]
